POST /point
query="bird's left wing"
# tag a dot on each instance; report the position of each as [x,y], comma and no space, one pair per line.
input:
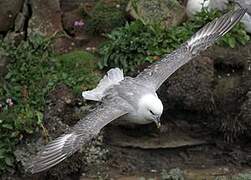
[158,72]
[67,144]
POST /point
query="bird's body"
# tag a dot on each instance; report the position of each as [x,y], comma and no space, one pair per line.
[131,99]
[135,95]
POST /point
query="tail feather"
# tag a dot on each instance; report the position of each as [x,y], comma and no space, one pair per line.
[114,76]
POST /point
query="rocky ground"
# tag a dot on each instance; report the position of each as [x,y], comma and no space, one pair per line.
[207,118]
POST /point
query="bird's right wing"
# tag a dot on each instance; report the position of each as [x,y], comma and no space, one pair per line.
[158,72]
[67,144]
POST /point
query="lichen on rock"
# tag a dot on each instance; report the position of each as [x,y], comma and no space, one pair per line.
[168,13]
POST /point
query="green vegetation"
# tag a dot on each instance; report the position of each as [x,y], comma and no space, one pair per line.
[244,176]
[172,174]
[105,17]
[34,71]
[137,43]
[241,176]
[77,70]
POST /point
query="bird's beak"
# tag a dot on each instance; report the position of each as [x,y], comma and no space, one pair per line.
[157,121]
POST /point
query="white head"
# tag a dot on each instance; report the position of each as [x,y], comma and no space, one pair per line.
[151,108]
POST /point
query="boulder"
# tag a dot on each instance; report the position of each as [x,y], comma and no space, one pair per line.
[190,88]
[46,17]
[19,28]
[8,12]
[69,5]
[167,12]
[215,84]
[238,56]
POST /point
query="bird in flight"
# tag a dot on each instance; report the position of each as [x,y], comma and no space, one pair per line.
[128,98]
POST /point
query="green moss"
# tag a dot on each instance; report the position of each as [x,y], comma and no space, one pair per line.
[78,70]
[136,43]
[105,17]
[33,72]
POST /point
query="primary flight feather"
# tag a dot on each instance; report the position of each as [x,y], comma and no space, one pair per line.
[131,99]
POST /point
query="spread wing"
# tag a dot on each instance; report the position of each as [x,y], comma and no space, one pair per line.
[67,144]
[158,72]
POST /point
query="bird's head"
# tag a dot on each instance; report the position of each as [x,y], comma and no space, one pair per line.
[151,108]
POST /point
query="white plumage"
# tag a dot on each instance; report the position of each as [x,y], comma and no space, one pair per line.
[114,76]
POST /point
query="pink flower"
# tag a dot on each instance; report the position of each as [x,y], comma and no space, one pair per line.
[9,102]
[79,23]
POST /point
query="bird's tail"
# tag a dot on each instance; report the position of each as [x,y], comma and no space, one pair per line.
[213,31]
[114,76]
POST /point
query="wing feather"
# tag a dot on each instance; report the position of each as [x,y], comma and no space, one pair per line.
[158,72]
[67,144]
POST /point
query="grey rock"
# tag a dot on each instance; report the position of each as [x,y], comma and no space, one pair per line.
[69,5]
[46,17]
[217,87]
[190,88]
[8,12]
[22,18]
[168,12]
[19,30]
[14,37]
[239,56]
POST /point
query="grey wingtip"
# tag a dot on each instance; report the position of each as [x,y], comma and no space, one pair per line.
[215,29]
[51,155]
[39,164]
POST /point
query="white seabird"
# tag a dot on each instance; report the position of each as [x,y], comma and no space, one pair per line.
[131,98]
[195,6]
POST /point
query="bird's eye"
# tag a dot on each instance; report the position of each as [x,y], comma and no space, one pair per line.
[151,112]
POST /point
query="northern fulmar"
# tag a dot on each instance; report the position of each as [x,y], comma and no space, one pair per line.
[128,98]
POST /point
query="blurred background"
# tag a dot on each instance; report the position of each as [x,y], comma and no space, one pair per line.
[52,50]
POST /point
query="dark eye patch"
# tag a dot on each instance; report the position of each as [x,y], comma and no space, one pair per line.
[151,112]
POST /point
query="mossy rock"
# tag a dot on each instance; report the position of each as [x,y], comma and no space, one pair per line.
[106,16]
[168,13]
